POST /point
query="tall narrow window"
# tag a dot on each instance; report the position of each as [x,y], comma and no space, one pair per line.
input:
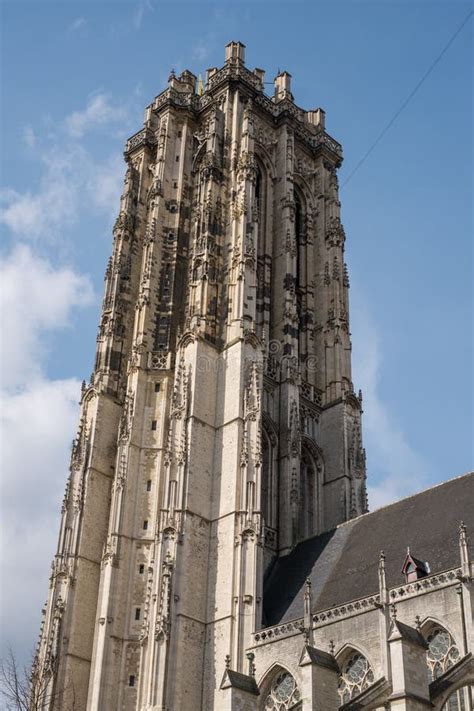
[308,520]
[310,489]
[265,496]
[298,231]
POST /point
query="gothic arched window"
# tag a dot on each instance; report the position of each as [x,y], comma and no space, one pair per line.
[283,694]
[308,509]
[266,476]
[268,495]
[356,676]
[299,238]
[442,652]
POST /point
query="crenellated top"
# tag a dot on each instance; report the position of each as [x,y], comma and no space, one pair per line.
[309,126]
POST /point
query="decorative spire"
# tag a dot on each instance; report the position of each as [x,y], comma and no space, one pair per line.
[464,551]
[307,624]
[227,661]
[383,591]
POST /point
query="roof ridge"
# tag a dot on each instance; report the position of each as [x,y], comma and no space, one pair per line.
[405,498]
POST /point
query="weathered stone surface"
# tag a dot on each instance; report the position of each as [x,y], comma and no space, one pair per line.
[221,428]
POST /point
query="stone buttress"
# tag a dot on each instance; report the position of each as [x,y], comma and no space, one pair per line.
[220,426]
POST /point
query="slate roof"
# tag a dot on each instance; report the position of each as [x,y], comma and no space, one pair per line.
[343,563]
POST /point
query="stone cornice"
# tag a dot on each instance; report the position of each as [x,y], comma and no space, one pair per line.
[358,607]
[314,138]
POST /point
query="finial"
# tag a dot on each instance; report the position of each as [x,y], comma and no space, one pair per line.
[464,551]
[383,591]
[332,647]
[418,623]
[307,621]
[227,661]
[251,656]
[393,612]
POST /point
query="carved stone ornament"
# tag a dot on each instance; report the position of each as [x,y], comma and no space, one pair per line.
[163,619]
[125,424]
[80,446]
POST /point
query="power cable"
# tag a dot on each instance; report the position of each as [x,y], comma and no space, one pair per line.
[408,99]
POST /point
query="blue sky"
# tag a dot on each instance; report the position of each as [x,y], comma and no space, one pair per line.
[76,77]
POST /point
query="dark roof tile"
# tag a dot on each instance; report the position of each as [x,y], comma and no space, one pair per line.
[342,564]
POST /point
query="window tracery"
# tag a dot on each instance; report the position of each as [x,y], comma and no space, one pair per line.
[308,515]
[283,695]
[442,652]
[269,480]
[460,700]
[356,676]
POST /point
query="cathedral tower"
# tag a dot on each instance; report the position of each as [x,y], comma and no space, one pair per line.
[220,426]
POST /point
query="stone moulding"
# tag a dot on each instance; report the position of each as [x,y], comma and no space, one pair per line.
[424,585]
[357,607]
[314,138]
[143,137]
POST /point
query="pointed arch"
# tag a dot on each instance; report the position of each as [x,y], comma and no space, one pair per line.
[356,672]
[310,490]
[443,651]
[279,690]
[269,482]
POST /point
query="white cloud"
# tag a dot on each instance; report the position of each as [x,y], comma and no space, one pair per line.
[38,422]
[37,426]
[395,468]
[70,175]
[37,298]
[200,51]
[78,24]
[41,213]
[98,112]
[29,312]
[105,185]
[29,136]
[142,6]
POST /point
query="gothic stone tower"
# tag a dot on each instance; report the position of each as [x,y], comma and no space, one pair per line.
[220,426]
